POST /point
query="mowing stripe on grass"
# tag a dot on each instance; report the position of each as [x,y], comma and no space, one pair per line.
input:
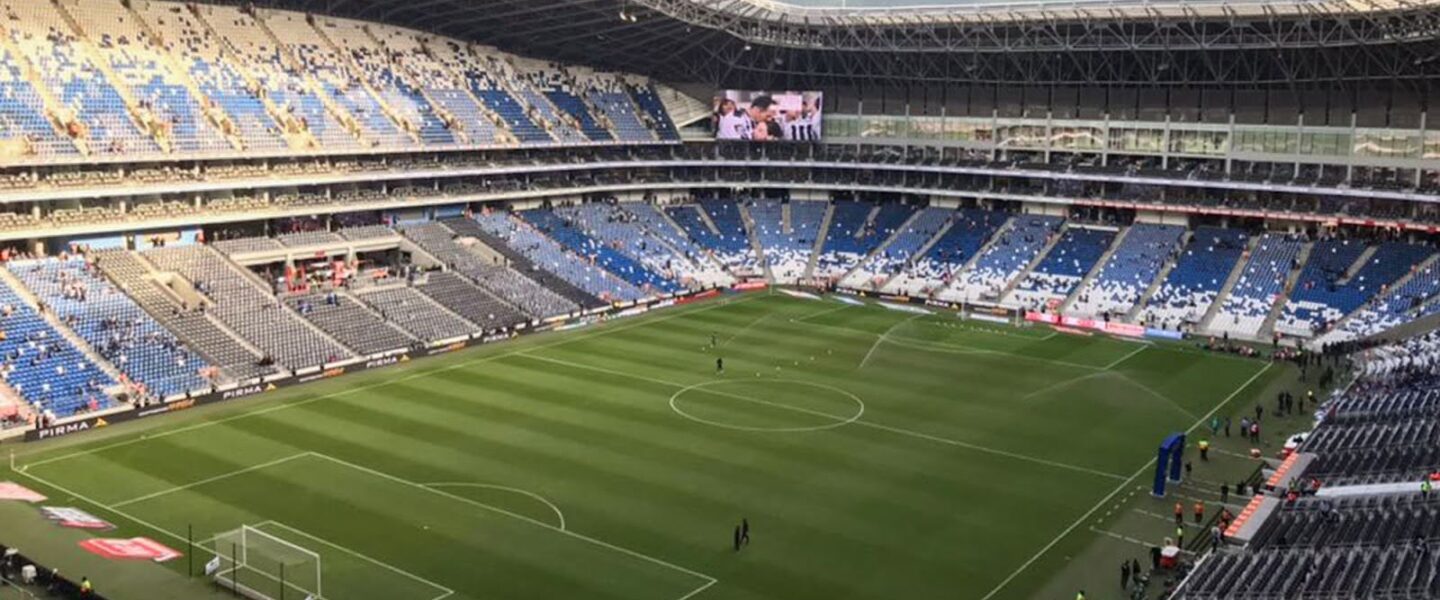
[388,382]
[1127,356]
[1118,489]
[206,480]
[537,497]
[856,421]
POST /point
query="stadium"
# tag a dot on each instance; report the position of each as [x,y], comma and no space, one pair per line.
[719,299]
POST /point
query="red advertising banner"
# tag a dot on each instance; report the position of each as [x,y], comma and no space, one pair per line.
[140,548]
[13,491]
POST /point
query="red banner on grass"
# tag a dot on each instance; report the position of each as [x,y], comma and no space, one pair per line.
[140,548]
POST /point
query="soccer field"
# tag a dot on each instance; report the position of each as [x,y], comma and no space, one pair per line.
[876,454]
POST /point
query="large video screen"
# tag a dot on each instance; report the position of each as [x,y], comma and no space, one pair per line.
[767,116]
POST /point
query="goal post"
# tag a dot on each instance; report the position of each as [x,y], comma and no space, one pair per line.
[263,566]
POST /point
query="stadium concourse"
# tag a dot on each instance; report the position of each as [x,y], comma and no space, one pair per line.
[834,335]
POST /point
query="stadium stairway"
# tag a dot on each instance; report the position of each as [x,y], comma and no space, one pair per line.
[74,339]
[312,87]
[468,227]
[102,64]
[820,234]
[411,130]
[754,239]
[504,134]
[1267,329]
[975,258]
[870,220]
[1095,270]
[1005,294]
[212,111]
[920,251]
[294,137]
[1230,281]
[1359,263]
[684,110]
[1160,278]
[48,100]
[705,218]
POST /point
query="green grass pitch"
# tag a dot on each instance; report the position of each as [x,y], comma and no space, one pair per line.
[876,453]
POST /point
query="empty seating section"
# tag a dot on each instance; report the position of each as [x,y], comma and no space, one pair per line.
[617,106]
[501,281]
[187,322]
[287,90]
[969,229]
[1350,522]
[787,251]
[350,322]
[1327,296]
[732,245]
[1067,263]
[1014,248]
[1134,265]
[113,325]
[367,232]
[614,226]
[463,298]
[408,309]
[22,113]
[42,366]
[1196,279]
[1400,304]
[198,78]
[1329,261]
[549,255]
[599,253]
[197,50]
[245,308]
[895,255]
[376,66]
[310,238]
[1260,285]
[1397,571]
[560,122]
[335,79]
[649,102]
[54,51]
[655,224]
[249,244]
[522,264]
[855,231]
[143,69]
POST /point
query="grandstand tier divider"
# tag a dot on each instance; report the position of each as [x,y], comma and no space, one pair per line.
[1230,280]
[295,138]
[920,252]
[1094,270]
[755,246]
[93,55]
[1160,278]
[879,248]
[213,111]
[411,130]
[820,234]
[1009,290]
[1267,329]
[28,296]
[51,104]
[312,85]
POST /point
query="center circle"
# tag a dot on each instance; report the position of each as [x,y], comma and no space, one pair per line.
[738,398]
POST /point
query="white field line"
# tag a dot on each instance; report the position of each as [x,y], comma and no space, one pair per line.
[444,591]
[883,337]
[806,318]
[747,327]
[416,375]
[536,522]
[208,480]
[1061,384]
[956,349]
[871,424]
[532,495]
[1127,356]
[1098,505]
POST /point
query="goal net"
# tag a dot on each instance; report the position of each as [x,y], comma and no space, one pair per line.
[263,566]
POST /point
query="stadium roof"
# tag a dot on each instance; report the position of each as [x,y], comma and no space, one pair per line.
[870,43]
